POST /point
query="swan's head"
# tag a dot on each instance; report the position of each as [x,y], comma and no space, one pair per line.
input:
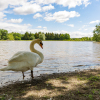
[39,42]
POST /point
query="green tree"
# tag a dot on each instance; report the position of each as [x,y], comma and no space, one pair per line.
[42,36]
[52,36]
[4,34]
[85,38]
[10,36]
[26,36]
[36,35]
[0,35]
[31,36]
[56,37]
[17,36]
[48,36]
[62,37]
[96,31]
[67,36]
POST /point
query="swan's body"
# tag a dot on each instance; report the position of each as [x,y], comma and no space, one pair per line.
[23,60]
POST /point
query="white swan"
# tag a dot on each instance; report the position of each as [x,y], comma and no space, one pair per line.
[23,60]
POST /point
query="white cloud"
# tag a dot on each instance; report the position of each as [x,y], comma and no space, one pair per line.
[92,28]
[15,20]
[85,29]
[65,3]
[14,27]
[45,27]
[97,21]
[39,27]
[11,27]
[27,9]
[76,34]
[69,3]
[71,25]
[37,15]
[24,7]
[84,26]
[46,8]
[79,34]
[2,15]
[61,16]
[4,3]
[86,2]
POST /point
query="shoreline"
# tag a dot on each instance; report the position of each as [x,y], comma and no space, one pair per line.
[45,40]
[77,85]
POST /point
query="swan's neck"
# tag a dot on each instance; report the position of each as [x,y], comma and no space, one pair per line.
[36,51]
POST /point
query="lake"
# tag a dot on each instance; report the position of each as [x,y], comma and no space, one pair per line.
[59,56]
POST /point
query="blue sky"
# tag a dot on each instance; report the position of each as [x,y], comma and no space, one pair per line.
[76,17]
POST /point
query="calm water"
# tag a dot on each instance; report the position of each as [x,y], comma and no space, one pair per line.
[59,56]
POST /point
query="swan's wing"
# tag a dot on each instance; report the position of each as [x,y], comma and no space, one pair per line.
[20,52]
[20,56]
[30,57]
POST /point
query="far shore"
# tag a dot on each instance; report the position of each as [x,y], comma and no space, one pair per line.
[47,40]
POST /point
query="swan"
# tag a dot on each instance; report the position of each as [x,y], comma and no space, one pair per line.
[24,60]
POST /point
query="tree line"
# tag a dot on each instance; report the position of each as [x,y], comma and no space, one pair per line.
[4,35]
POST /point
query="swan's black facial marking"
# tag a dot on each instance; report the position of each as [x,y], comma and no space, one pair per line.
[41,43]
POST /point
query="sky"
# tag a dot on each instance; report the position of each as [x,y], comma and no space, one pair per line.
[75,17]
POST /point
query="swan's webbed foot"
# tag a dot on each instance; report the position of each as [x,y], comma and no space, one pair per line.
[23,75]
[32,74]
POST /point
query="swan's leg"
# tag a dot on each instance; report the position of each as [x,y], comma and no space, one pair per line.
[32,74]
[23,75]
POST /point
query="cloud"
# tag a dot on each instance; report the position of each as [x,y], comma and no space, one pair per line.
[61,16]
[86,2]
[11,27]
[65,3]
[79,34]
[27,9]
[97,21]
[76,34]
[2,15]
[15,20]
[39,27]
[4,3]
[85,29]
[46,8]
[45,27]
[71,25]
[84,26]
[37,15]
[21,28]
[24,7]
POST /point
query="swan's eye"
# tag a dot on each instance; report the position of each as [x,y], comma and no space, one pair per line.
[41,43]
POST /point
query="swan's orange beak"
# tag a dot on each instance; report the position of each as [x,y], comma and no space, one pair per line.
[41,46]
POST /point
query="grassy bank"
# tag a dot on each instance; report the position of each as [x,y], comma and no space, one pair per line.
[83,85]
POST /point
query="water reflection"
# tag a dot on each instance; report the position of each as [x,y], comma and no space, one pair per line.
[60,56]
